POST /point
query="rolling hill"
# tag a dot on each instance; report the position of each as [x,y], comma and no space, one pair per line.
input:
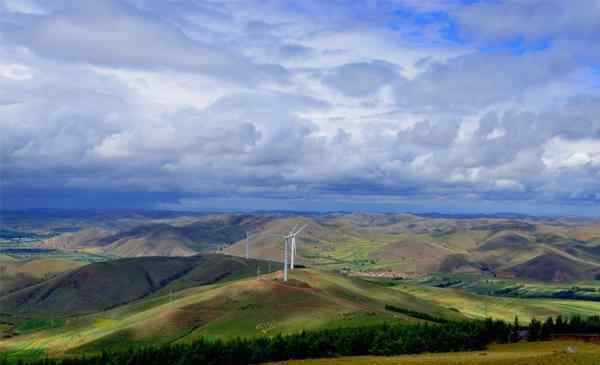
[401,244]
[103,285]
[246,307]
[552,267]
[19,274]
[405,244]
[179,238]
[82,239]
[251,307]
[505,241]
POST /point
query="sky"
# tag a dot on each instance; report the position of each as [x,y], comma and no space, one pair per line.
[372,105]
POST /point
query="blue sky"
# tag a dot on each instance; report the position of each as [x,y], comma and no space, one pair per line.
[386,105]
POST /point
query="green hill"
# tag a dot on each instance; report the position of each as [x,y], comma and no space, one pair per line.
[474,305]
[243,307]
[153,301]
[552,267]
[19,274]
[104,285]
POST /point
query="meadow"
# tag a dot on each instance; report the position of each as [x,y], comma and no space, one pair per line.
[524,353]
[247,308]
[506,308]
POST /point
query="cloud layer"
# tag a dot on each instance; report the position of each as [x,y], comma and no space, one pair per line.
[428,105]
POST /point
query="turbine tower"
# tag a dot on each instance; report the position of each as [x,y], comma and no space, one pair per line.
[285,259]
[247,248]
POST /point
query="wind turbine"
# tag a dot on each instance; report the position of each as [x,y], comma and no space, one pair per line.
[289,245]
[293,242]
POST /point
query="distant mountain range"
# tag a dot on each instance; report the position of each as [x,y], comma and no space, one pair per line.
[404,243]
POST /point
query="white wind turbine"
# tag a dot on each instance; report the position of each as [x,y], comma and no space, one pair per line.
[293,243]
[289,245]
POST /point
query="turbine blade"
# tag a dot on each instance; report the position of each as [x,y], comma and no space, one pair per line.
[300,230]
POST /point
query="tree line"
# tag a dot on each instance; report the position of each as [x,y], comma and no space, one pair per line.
[415,314]
[576,325]
[353,341]
[384,340]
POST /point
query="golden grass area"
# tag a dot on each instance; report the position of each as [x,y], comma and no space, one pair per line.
[542,353]
[39,268]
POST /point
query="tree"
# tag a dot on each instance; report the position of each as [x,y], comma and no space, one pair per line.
[515,336]
[547,329]
[559,327]
[535,330]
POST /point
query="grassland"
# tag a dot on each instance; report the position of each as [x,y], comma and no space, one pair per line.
[580,290]
[5,258]
[17,274]
[246,308]
[202,303]
[243,306]
[525,353]
[482,306]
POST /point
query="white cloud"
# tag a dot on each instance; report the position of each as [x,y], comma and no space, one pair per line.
[15,72]
[560,153]
[333,99]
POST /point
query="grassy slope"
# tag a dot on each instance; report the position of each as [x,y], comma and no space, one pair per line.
[103,285]
[246,308]
[17,274]
[76,240]
[539,353]
[481,306]
[555,267]
[580,290]
[4,258]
